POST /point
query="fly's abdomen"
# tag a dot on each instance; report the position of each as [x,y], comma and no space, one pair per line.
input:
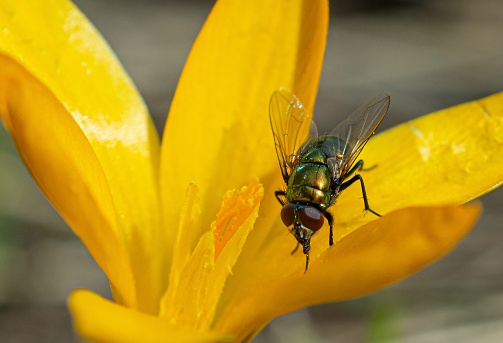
[309,182]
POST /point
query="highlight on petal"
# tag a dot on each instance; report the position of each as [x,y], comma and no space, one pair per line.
[218,131]
[51,44]
[381,252]
[98,319]
[192,297]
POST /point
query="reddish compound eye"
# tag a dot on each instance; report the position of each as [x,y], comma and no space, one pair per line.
[311,218]
[287,214]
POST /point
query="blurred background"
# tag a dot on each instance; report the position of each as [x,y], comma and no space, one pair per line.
[428,54]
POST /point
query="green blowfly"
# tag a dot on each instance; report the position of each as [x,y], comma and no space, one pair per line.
[316,169]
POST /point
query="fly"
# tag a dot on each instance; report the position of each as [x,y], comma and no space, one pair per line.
[316,169]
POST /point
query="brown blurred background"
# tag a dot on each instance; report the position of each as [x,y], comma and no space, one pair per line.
[428,54]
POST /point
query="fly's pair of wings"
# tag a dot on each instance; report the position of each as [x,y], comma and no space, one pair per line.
[294,131]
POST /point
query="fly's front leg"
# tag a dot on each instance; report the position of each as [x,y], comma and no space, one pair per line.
[278,194]
[348,183]
[330,221]
[306,247]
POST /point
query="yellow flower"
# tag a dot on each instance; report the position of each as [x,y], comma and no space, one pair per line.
[171,227]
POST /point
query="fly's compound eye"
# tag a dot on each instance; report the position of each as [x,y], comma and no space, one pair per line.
[287,214]
[311,218]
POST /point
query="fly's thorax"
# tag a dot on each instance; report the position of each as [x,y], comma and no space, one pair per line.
[310,181]
[313,156]
[311,174]
[309,194]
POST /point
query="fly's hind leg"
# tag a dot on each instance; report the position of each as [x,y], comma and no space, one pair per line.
[355,178]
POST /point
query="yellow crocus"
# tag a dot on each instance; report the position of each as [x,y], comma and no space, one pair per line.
[188,231]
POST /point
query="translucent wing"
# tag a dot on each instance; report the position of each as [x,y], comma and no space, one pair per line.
[346,141]
[291,126]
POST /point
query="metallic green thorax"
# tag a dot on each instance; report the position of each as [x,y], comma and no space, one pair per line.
[311,179]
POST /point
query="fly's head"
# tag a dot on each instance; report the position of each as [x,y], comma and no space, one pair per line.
[306,221]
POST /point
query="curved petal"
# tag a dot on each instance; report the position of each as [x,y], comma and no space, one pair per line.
[65,166]
[218,129]
[55,44]
[448,157]
[101,320]
[377,254]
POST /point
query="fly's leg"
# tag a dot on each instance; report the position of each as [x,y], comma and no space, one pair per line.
[330,221]
[348,183]
[306,247]
[278,194]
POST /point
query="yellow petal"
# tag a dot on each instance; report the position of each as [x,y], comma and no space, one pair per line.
[243,208]
[236,208]
[65,166]
[218,129]
[192,297]
[100,320]
[448,157]
[56,45]
[377,254]
[184,245]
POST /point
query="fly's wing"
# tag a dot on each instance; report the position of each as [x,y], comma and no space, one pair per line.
[349,137]
[291,126]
